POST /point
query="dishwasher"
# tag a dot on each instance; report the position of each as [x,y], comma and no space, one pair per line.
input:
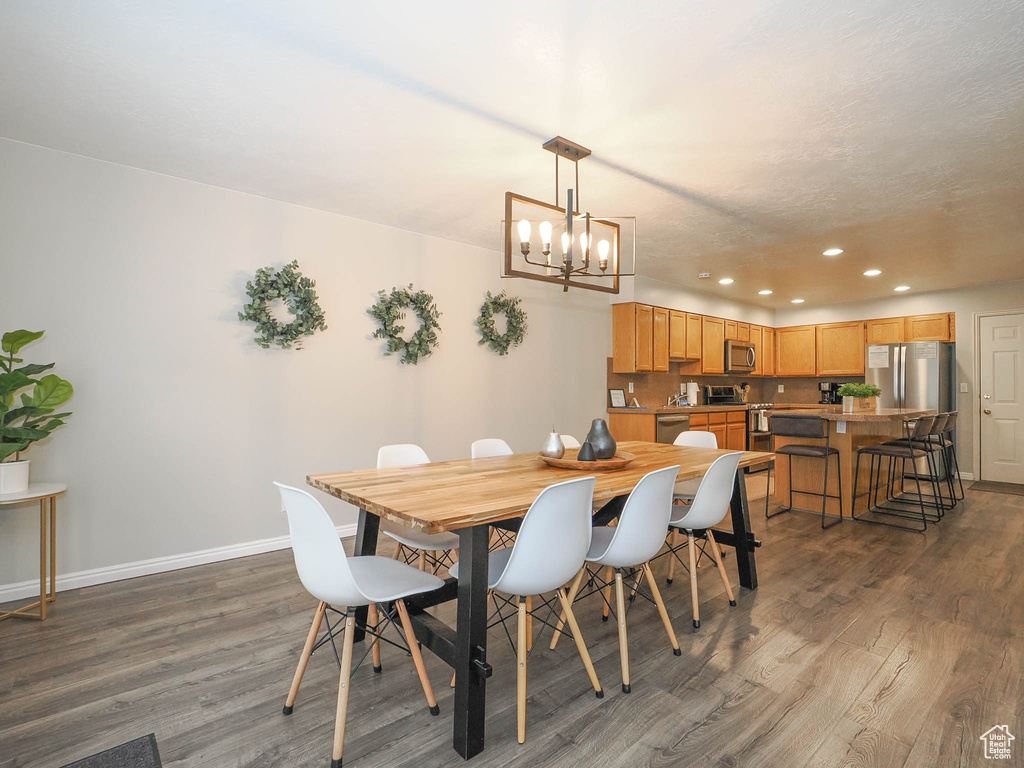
[671,425]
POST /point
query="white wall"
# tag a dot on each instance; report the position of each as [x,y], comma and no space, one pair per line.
[657,293]
[965,302]
[181,422]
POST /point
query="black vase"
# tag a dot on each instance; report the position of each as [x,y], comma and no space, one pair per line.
[586,453]
[601,440]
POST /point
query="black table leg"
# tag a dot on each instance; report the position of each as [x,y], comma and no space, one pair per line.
[365,544]
[743,536]
[471,669]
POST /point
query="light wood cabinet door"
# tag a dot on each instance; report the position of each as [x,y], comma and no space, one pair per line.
[644,337]
[840,350]
[660,339]
[928,327]
[742,331]
[795,351]
[713,345]
[677,335]
[756,337]
[732,330]
[721,433]
[768,347]
[889,330]
[735,437]
[694,334]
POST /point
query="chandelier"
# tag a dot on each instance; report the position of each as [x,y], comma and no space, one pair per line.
[546,242]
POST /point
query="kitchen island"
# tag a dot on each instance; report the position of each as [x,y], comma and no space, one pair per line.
[849,433]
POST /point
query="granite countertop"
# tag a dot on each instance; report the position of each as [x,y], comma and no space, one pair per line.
[679,409]
[879,414]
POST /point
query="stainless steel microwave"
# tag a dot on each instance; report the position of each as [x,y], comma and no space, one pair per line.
[740,356]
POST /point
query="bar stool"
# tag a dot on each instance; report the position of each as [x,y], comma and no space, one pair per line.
[434,549]
[335,579]
[942,435]
[916,446]
[812,427]
[932,447]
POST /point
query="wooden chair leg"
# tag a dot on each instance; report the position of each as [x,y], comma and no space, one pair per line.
[343,685]
[673,541]
[717,554]
[620,609]
[521,674]
[374,620]
[656,593]
[581,646]
[606,608]
[573,591]
[307,650]
[692,546]
[398,551]
[417,657]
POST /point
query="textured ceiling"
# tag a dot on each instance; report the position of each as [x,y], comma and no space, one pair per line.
[746,136]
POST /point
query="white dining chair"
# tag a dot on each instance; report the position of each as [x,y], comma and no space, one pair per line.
[687,489]
[550,550]
[631,544]
[341,584]
[434,549]
[489,446]
[570,442]
[708,509]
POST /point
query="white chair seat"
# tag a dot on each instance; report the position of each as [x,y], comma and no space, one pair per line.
[601,538]
[420,540]
[686,489]
[496,563]
[383,579]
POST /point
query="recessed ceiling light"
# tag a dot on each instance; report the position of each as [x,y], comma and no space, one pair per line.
[797,301]
[765,292]
[873,273]
[902,288]
[832,252]
[726,281]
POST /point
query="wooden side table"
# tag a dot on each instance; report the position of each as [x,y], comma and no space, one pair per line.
[43,493]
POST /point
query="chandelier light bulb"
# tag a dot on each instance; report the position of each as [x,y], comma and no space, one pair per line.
[524,236]
[565,247]
[603,247]
[545,233]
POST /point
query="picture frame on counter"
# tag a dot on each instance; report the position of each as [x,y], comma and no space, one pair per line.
[618,398]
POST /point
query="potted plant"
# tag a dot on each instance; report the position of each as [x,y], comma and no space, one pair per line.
[31,417]
[858,397]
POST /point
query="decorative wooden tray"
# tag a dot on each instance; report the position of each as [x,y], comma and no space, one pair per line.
[569,461]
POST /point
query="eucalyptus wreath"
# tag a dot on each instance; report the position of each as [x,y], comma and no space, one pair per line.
[515,322]
[390,309]
[297,292]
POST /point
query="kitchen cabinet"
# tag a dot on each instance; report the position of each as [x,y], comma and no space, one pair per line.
[728,427]
[795,351]
[768,346]
[732,330]
[660,338]
[742,332]
[677,335]
[840,349]
[889,330]
[928,327]
[736,436]
[633,426]
[632,338]
[756,337]
[712,345]
[694,335]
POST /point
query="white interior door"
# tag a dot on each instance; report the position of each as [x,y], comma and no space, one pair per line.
[1002,398]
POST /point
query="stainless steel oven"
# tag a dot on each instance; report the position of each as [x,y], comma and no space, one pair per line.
[670,425]
[740,356]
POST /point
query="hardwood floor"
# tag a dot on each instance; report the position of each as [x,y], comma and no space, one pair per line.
[864,646]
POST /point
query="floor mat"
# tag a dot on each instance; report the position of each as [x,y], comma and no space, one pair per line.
[138,753]
[1012,489]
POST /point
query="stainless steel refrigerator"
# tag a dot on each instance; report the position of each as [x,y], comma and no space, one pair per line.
[918,375]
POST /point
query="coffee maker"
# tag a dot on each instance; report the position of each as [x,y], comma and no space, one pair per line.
[829,392]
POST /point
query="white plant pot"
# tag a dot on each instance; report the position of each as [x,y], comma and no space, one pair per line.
[14,476]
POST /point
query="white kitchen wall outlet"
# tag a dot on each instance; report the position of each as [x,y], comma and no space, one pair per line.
[782,387]
[631,387]
[963,387]
[682,389]
[841,427]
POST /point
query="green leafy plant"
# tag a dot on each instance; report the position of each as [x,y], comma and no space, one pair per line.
[297,292]
[390,309]
[22,425]
[859,390]
[515,322]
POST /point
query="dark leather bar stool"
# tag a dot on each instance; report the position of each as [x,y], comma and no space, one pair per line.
[809,426]
[934,445]
[914,446]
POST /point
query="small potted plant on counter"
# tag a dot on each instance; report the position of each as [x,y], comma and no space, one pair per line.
[859,397]
[24,421]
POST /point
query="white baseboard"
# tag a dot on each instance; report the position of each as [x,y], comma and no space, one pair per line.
[110,573]
[966,475]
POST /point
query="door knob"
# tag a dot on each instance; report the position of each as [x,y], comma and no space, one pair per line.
[987,411]
[988,397]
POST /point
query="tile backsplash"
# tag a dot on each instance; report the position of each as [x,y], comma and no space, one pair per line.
[654,389]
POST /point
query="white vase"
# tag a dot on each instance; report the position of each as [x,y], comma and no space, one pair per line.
[13,476]
[847,404]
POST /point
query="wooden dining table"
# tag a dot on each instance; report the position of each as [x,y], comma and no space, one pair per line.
[468,497]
